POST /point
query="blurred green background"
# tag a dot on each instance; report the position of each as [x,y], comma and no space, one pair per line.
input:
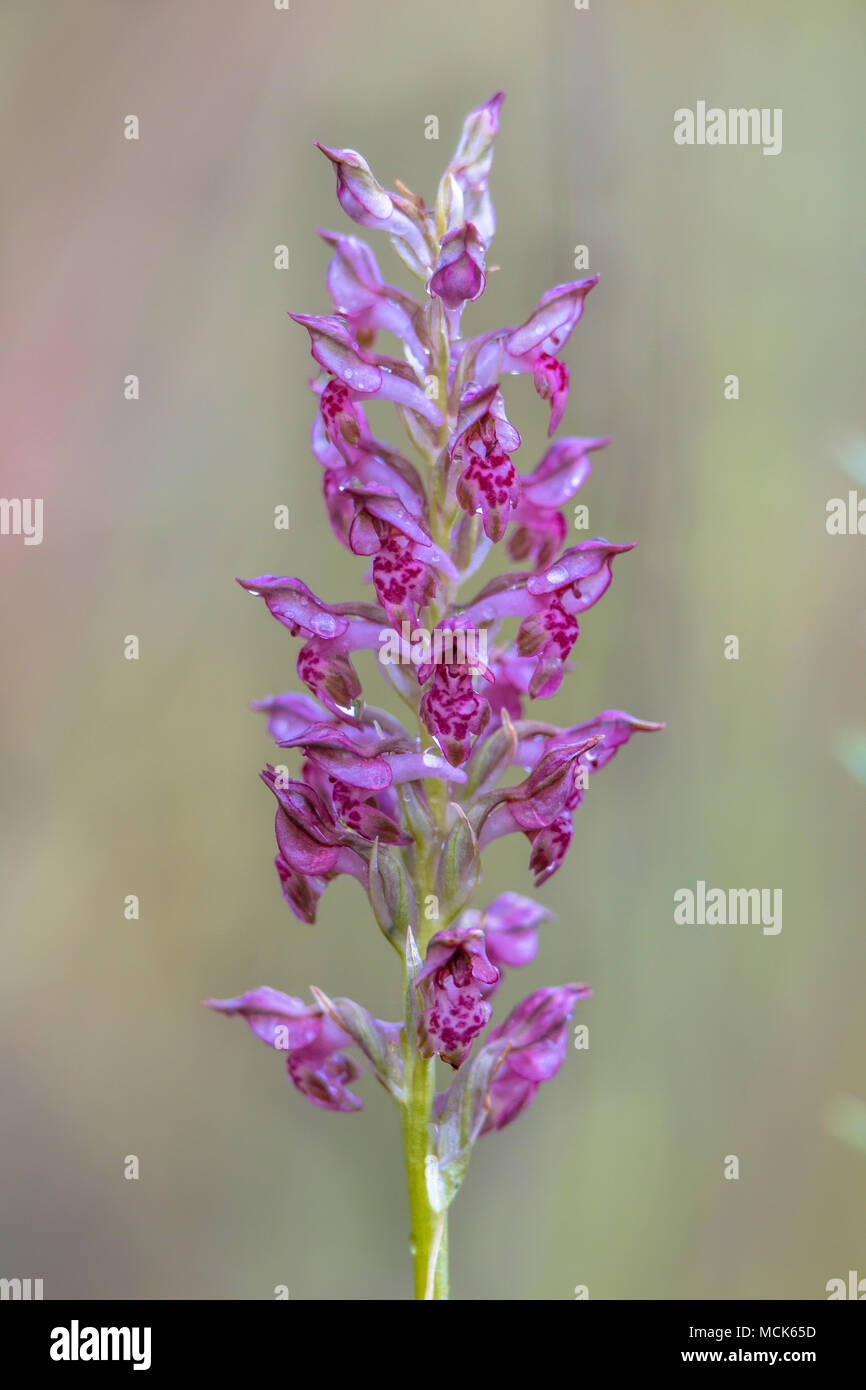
[120,777]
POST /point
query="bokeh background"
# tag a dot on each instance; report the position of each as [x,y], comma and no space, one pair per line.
[156,258]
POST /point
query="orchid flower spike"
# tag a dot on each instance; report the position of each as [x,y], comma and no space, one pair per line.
[403,795]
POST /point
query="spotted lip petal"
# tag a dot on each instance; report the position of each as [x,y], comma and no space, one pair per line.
[549,847]
[330,675]
[451,985]
[405,583]
[485,439]
[454,712]
[549,636]
[451,708]
[489,484]
[342,419]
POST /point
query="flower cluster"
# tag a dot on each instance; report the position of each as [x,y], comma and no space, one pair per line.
[406,805]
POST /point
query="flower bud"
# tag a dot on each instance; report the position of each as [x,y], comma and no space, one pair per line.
[459,274]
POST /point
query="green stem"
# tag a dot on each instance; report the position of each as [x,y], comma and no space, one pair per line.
[429,1237]
[429,1228]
